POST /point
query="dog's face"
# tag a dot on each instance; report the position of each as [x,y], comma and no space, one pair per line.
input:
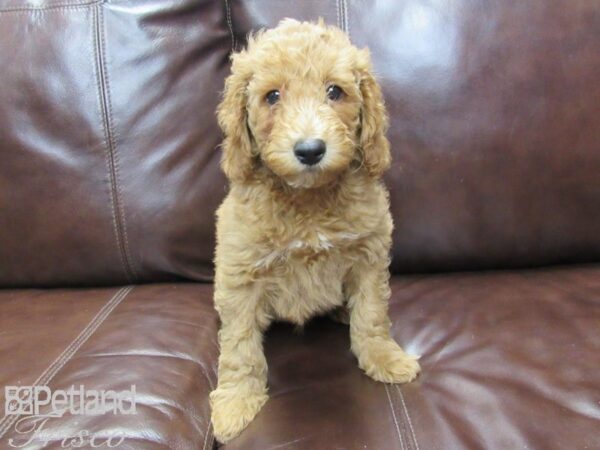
[303,108]
[302,102]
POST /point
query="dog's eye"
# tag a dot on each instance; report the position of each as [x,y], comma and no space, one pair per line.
[272,97]
[334,92]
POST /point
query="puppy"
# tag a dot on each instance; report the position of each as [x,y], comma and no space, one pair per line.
[306,226]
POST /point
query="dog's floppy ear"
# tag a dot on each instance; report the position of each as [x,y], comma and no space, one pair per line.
[237,157]
[374,145]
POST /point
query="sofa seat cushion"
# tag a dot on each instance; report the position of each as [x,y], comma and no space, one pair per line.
[159,338]
[510,360]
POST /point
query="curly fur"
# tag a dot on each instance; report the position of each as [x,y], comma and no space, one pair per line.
[296,241]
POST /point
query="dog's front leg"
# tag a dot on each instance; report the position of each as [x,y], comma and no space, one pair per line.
[242,381]
[378,354]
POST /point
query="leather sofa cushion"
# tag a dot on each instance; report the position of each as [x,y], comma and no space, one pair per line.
[495,124]
[160,338]
[108,140]
[510,360]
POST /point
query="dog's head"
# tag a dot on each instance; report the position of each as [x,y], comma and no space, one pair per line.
[302,101]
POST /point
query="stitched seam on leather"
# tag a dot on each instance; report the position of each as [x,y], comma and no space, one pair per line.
[412,430]
[230,24]
[50,7]
[206,434]
[404,431]
[212,435]
[402,420]
[346,21]
[117,208]
[68,353]
[342,16]
[394,416]
[119,198]
[102,104]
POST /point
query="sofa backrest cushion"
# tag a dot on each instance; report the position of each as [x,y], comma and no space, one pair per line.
[109,143]
[495,124]
[108,139]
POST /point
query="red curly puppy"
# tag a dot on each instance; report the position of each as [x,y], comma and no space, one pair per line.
[306,225]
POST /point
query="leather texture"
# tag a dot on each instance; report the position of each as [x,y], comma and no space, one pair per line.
[109,178]
[109,141]
[509,360]
[494,124]
[110,153]
[160,338]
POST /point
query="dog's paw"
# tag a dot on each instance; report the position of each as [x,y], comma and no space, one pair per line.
[387,362]
[233,409]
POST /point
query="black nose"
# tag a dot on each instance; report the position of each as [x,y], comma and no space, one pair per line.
[310,151]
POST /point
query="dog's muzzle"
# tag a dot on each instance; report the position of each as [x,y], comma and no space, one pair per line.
[310,151]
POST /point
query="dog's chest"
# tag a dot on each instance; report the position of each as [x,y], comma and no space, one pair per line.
[306,278]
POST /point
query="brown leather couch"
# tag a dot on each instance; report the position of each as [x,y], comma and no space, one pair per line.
[109,180]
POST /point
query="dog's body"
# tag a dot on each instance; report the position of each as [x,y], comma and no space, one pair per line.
[306,226]
[300,252]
